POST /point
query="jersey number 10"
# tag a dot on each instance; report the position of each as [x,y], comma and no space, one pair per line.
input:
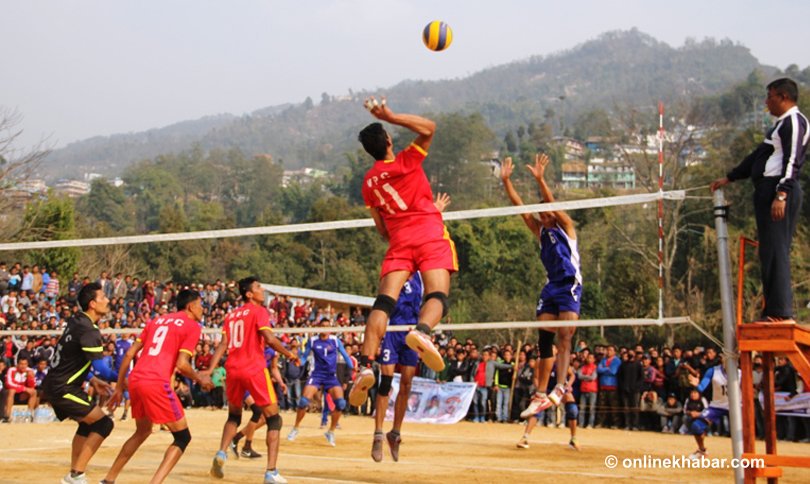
[236,333]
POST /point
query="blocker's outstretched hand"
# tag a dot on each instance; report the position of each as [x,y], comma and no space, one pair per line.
[539,168]
[506,168]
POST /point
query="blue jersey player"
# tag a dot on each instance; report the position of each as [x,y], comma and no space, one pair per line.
[561,296]
[122,345]
[324,348]
[395,352]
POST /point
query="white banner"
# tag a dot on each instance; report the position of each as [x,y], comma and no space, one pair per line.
[432,402]
[798,406]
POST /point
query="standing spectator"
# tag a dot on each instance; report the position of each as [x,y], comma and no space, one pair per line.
[218,379]
[774,169]
[478,374]
[785,381]
[106,284]
[119,287]
[292,376]
[14,279]
[608,399]
[504,372]
[4,278]
[27,280]
[52,289]
[588,390]
[36,279]
[631,383]
[75,283]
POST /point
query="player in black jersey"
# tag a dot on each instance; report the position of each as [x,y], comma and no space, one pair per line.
[79,345]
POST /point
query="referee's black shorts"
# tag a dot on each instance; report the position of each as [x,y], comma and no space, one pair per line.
[70,402]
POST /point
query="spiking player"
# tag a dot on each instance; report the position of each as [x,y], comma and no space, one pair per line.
[324,348]
[398,194]
[78,347]
[561,296]
[244,334]
[168,341]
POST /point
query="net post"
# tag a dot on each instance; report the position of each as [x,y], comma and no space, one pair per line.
[729,330]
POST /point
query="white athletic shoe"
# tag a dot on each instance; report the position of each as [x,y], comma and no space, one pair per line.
[273,477]
[330,437]
[540,402]
[523,443]
[362,384]
[293,434]
[80,479]
[557,394]
[422,344]
[698,454]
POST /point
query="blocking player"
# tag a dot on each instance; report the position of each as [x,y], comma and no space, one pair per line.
[324,348]
[244,334]
[561,296]
[571,414]
[78,347]
[168,341]
[122,345]
[398,194]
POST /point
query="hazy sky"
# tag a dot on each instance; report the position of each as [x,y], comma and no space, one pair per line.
[80,68]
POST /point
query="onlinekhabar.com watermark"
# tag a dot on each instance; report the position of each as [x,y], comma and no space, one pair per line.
[681,462]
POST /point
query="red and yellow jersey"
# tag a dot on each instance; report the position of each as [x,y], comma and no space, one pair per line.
[163,339]
[400,191]
[245,342]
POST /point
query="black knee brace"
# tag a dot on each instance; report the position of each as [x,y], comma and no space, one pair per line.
[546,344]
[442,297]
[235,418]
[181,439]
[257,413]
[83,430]
[102,426]
[385,385]
[385,304]
[273,422]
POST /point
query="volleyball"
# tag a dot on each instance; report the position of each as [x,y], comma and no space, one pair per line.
[437,36]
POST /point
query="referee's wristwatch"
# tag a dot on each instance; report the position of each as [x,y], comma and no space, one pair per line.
[781,196]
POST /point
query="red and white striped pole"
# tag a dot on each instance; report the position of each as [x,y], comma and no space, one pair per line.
[661,210]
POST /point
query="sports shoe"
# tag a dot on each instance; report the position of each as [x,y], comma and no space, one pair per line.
[421,343]
[234,447]
[218,465]
[330,437]
[273,477]
[523,443]
[293,434]
[80,479]
[393,444]
[362,384]
[249,453]
[698,454]
[540,402]
[573,444]
[557,394]
[376,447]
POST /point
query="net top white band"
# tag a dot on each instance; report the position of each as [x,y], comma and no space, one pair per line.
[582,323]
[345,224]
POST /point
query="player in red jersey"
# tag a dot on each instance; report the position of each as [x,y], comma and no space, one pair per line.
[244,334]
[398,193]
[168,341]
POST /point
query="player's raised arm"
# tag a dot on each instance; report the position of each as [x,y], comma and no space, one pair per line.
[423,127]
[539,170]
[506,173]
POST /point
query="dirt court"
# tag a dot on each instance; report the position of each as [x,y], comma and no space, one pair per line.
[465,452]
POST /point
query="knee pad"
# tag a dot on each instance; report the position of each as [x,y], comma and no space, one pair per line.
[257,413]
[385,385]
[442,297]
[571,411]
[303,402]
[385,304]
[546,344]
[273,422]
[340,404]
[181,439]
[235,418]
[83,430]
[102,426]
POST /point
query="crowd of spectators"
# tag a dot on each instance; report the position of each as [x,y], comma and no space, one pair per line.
[633,388]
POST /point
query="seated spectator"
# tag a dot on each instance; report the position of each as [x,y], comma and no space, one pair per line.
[20,386]
[671,413]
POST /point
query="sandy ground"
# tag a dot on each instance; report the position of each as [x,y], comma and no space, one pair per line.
[464,452]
